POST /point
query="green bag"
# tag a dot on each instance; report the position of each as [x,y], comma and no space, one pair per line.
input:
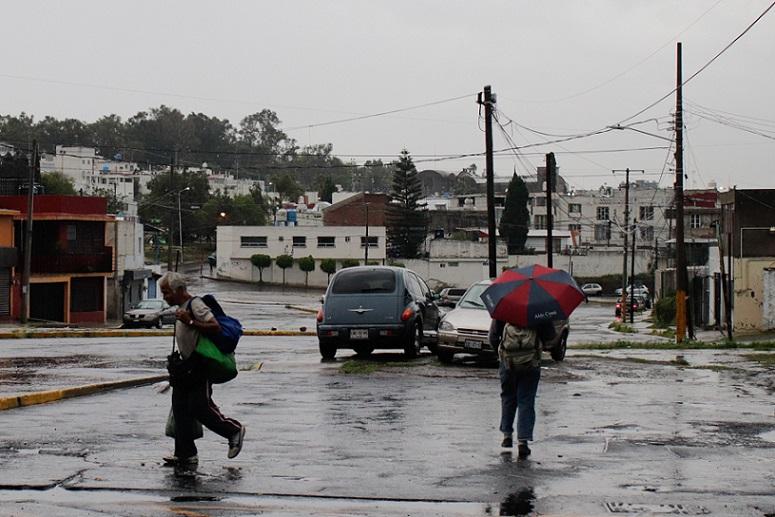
[219,367]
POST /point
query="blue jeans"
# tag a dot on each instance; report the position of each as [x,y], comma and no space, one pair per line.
[518,393]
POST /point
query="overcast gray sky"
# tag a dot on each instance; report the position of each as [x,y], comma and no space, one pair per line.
[559,67]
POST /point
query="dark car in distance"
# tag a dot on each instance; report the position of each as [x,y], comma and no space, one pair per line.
[149,313]
[369,307]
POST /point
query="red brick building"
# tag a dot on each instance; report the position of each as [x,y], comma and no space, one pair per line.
[70,262]
[352,211]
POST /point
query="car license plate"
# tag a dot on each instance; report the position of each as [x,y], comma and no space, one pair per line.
[359,334]
[472,345]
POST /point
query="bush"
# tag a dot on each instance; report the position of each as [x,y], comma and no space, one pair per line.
[664,311]
[350,263]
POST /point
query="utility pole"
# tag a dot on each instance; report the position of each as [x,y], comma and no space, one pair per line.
[682,280]
[551,165]
[25,302]
[632,270]
[626,225]
[724,281]
[366,249]
[170,191]
[488,100]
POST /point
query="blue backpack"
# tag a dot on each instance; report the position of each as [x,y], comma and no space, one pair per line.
[231,329]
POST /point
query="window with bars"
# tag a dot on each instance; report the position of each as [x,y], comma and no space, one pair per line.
[539,222]
[602,213]
[299,241]
[646,213]
[602,232]
[252,242]
[695,221]
[326,242]
[373,242]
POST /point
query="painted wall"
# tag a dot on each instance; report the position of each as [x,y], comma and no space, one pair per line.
[750,294]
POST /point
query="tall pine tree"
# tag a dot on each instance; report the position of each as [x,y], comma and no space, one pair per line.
[515,220]
[406,219]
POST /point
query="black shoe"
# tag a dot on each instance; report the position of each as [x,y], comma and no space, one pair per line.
[235,443]
[174,461]
[523,451]
[508,442]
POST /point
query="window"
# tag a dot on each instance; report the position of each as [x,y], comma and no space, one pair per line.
[453,264]
[602,232]
[326,242]
[574,228]
[574,208]
[71,232]
[602,213]
[539,222]
[647,233]
[646,213]
[300,241]
[540,201]
[695,221]
[373,242]
[364,281]
[252,242]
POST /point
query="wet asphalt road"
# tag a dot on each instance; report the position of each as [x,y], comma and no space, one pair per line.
[615,435]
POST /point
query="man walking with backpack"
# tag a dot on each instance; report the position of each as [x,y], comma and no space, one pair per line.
[519,352]
[191,388]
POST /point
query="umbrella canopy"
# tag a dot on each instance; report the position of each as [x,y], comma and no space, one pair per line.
[532,295]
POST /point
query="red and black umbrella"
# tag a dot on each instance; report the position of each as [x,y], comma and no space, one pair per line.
[529,296]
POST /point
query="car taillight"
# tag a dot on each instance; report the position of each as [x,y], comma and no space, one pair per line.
[407,314]
[320,315]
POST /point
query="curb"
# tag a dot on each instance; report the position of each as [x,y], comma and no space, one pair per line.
[28,333]
[42,397]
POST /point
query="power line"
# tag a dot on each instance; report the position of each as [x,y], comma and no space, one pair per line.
[703,67]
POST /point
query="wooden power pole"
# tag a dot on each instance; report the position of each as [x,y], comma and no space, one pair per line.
[682,279]
[488,100]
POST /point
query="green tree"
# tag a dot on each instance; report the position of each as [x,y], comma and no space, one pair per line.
[350,263]
[327,189]
[261,262]
[57,183]
[287,187]
[406,219]
[307,264]
[515,220]
[328,266]
[161,204]
[284,262]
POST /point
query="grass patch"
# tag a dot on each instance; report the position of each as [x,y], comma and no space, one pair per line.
[763,359]
[637,360]
[686,345]
[666,332]
[620,326]
[366,367]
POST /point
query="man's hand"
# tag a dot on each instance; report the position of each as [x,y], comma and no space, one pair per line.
[184,316]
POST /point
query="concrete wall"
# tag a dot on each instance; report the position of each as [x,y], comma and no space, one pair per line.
[750,294]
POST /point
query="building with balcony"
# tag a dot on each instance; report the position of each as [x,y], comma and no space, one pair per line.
[70,260]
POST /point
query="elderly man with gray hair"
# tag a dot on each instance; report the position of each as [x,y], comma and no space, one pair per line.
[191,389]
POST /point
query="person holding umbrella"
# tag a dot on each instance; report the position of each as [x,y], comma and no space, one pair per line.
[524,303]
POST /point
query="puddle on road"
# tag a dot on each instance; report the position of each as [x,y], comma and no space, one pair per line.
[519,503]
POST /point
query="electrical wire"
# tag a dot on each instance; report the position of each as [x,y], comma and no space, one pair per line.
[703,67]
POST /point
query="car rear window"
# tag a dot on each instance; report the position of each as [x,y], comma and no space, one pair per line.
[351,282]
[456,292]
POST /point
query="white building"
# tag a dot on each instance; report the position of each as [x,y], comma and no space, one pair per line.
[91,173]
[236,244]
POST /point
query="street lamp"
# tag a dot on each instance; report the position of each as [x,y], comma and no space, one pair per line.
[180,222]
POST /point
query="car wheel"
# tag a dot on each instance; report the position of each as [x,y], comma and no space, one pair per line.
[414,343]
[558,352]
[327,350]
[445,356]
[363,351]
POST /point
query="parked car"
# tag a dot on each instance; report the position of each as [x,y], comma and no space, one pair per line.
[466,328]
[592,289]
[149,313]
[638,304]
[449,296]
[640,290]
[368,307]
